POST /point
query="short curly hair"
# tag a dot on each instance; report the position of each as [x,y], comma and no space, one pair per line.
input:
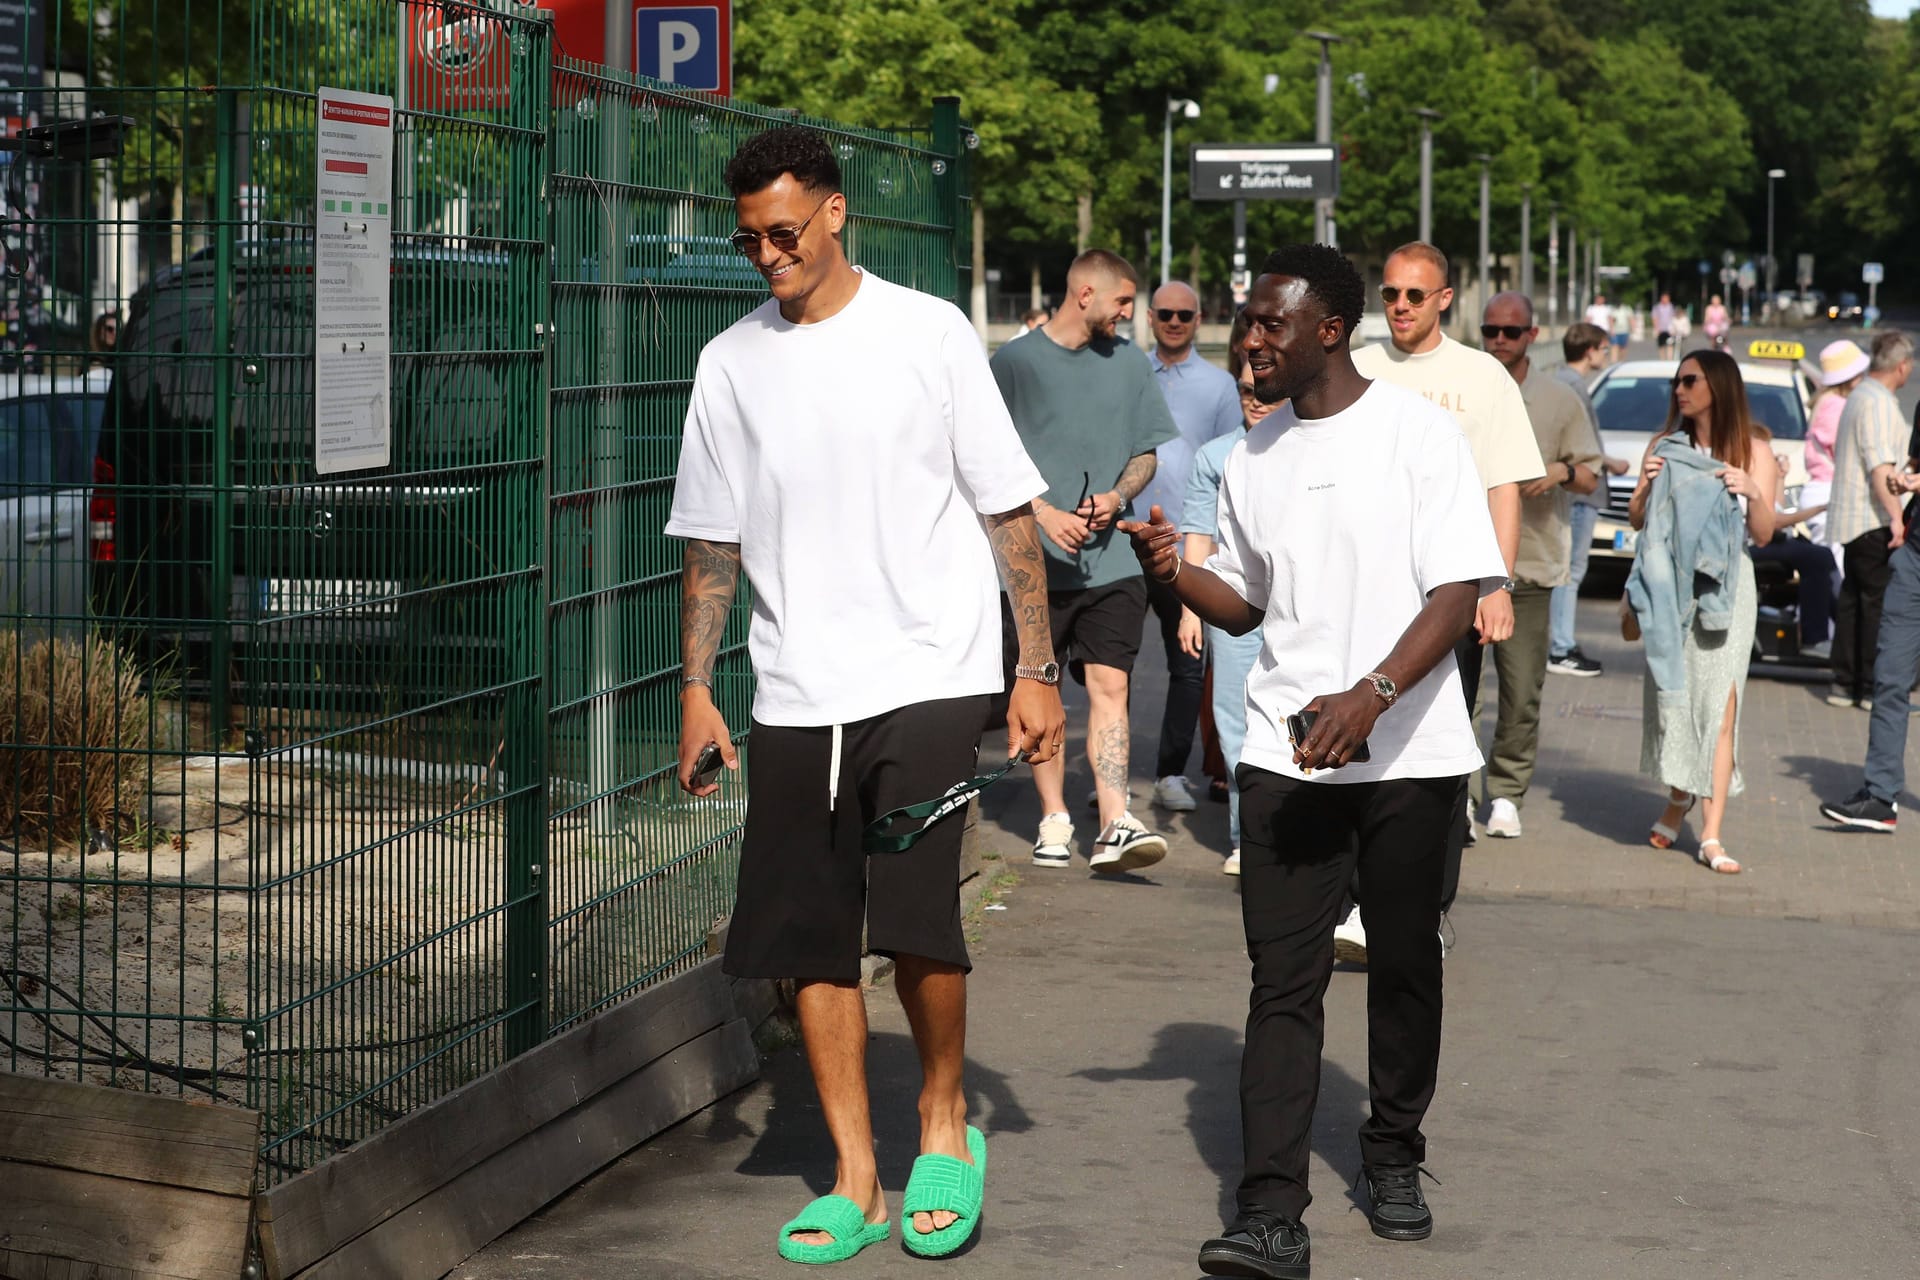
[788,148]
[1329,275]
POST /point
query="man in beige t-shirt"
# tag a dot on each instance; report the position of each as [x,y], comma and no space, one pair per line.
[1566,441]
[1486,403]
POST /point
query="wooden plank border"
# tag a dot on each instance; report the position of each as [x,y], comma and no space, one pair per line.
[308,1218]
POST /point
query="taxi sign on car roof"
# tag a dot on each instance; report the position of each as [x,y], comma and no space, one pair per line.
[1776,349]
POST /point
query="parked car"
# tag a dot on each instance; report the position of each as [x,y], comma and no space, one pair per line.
[49,427]
[1846,309]
[222,558]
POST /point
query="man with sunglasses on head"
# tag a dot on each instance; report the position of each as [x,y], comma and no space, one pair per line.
[1205,405]
[1482,397]
[846,448]
[1091,418]
[1573,464]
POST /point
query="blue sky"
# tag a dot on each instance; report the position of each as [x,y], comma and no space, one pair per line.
[1893,8]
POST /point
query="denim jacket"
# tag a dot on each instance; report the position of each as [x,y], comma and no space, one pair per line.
[1686,558]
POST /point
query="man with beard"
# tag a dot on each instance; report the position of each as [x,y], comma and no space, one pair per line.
[1090,417]
[1567,443]
[1354,533]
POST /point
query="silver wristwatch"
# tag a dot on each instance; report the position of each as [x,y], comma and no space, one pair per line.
[1045,673]
[1386,689]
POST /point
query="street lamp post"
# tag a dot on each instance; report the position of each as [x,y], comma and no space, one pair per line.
[1427,117]
[1191,110]
[1573,271]
[1486,205]
[1767,306]
[1553,264]
[1323,228]
[1526,240]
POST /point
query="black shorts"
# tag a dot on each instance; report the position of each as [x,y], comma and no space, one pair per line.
[806,889]
[1100,625]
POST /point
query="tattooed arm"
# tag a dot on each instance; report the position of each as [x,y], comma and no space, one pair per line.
[1102,509]
[709,576]
[1036,724]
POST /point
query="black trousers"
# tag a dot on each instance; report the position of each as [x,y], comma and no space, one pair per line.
[1865,570]
[1299,842]
[1469,654]
[1186,685]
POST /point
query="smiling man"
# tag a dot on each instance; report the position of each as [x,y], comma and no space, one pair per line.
[847,450]
[1353,533]
[1483,400]
[1566,441]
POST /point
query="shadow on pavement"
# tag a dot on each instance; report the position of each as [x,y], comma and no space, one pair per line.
[1615,806]
[1827,779]
[794,1142]
[1209,1056]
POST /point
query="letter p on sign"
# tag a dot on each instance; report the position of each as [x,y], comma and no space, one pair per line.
[683,45]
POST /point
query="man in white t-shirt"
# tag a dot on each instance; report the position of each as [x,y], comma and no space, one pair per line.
[1599,313]
[846,447]
[1354,533]
[1480,394]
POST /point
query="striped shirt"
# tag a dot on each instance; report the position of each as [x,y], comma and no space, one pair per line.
[1872,433]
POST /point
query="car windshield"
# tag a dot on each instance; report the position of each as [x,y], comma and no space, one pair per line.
[1640,404]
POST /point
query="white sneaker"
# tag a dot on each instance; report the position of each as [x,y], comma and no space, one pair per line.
[1232,865]
[1503,819]
[1350,938]
[1054,848]
[1126,845]
[1173,794]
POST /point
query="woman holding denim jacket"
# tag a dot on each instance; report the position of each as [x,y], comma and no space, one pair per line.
[1694,750]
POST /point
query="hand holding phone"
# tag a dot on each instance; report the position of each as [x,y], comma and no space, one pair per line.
[706,766]
[1300,725]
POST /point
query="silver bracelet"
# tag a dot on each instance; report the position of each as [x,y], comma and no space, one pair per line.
[687,680]
[1176,572]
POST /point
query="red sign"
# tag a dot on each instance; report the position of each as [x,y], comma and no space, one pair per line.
[459,54]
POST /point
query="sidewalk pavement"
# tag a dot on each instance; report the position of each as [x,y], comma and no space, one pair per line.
[1649,1070]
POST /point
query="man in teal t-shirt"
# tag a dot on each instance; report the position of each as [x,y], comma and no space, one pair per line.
[1089,414]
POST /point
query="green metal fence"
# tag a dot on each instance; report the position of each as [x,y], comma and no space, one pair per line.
[328,793]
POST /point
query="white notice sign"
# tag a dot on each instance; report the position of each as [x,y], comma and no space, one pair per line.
[352,256]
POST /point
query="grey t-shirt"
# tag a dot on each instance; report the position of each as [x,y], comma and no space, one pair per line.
[1082,415]
[1575,379]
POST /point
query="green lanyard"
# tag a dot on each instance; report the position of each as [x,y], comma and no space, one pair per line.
[875,838]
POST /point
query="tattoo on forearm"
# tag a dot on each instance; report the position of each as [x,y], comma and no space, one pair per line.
[1023,567]
[709,576]
[1133,479]
[1110,749]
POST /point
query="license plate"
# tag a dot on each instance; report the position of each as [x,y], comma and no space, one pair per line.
[1623,539]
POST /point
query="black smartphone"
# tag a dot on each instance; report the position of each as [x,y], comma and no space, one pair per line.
[707,765]
[1300,724]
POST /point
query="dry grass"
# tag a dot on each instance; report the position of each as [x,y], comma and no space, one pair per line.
[72,717]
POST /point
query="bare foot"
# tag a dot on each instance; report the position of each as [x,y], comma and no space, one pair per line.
[945,1140]
[874,1206]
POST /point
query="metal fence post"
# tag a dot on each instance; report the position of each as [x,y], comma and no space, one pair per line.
[220,598]
[955,192]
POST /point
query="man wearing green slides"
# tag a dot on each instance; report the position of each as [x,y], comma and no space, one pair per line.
[847,449]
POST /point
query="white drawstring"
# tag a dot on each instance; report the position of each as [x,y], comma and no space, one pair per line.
[833,772]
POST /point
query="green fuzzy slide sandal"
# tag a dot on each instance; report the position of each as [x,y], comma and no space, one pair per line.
[943,1183]
[840,1218]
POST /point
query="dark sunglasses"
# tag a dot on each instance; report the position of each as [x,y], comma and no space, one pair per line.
[1685,380]
[1511,332]
[1389,294]
[1168,315]
[785,239]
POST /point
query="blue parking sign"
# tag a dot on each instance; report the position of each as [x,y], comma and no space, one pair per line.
[682,46]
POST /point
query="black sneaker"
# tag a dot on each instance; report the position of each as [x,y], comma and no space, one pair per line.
[1863,811]
[1399,1210]
[1262,1246]
[1573,663]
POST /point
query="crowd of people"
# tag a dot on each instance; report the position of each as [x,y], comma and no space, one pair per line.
[1329,540]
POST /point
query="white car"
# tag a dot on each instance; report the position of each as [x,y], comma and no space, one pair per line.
[48,429]
[1631,400]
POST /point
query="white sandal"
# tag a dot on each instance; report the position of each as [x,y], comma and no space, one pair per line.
[1662,836]
[1720,861]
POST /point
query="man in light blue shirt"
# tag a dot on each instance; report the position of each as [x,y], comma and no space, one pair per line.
[1205,404]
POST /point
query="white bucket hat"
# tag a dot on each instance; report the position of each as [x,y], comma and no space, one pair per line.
[1842,361]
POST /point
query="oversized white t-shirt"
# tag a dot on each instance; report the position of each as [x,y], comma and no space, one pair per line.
[852,460]
[1337,528]
[1480,394]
